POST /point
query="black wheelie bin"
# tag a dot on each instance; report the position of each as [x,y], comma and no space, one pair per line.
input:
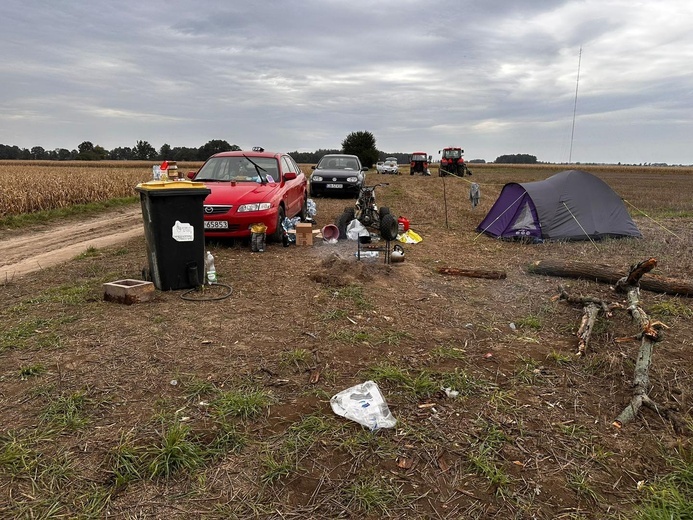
[174,232]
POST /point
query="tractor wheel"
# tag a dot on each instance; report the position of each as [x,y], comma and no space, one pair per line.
[343,222]
[389,227]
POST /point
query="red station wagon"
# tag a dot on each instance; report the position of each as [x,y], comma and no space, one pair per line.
[249,188]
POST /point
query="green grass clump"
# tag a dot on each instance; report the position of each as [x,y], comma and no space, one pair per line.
[298,357]
[243,404]
[670,497]
[355,294]
[67,411]
[372,495]
[177,451]
[31,371]
[672,308]
[530,321]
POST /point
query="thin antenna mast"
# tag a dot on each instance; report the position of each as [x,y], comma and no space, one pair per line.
[572,132]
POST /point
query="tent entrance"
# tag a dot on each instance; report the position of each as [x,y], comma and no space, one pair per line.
[525,224]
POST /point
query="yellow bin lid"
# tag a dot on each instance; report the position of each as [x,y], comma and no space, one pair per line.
[169,185]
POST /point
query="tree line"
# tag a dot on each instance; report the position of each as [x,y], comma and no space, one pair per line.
[142,151]
[361,143]
[357,143]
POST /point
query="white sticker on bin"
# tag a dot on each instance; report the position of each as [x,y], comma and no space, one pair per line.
[183,232]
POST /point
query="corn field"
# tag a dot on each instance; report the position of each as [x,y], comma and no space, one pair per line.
[32,186]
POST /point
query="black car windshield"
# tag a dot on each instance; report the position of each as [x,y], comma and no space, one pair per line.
[238,169]
[338,163]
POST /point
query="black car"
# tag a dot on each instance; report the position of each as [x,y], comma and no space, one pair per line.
[337,174]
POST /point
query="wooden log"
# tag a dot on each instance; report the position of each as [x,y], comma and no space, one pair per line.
[473,273]
[608,274]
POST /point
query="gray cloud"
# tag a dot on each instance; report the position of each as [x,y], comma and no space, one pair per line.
[495,77]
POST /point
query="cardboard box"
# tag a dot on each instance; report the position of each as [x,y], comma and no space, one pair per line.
[304,234]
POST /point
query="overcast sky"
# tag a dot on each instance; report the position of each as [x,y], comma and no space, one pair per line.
[492,76]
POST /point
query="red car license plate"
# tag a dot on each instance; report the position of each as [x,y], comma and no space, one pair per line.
[216,224]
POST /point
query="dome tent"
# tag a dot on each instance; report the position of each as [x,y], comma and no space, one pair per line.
[570,205]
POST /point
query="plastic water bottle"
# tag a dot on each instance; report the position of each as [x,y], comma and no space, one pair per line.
[209,267]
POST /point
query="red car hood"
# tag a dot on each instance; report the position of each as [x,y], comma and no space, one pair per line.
[241,193]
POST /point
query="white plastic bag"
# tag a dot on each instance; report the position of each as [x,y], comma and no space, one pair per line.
[355,229]
[364,404]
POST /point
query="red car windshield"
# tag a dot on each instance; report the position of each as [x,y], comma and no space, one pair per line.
[239,169]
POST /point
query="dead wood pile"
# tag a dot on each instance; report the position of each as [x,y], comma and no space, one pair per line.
[650,332]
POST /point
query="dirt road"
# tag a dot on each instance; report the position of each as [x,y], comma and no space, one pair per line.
[24,252]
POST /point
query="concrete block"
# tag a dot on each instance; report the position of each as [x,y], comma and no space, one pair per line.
[128,291]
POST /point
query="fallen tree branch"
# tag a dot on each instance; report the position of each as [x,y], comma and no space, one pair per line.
[649,335]
[650,332]
[473,273]
[607,274]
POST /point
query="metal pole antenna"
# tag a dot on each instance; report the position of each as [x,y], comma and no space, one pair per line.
[572,132]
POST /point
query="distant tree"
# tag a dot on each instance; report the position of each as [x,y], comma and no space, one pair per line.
[63,154]
[361,144]
[121,154]
[518,158]
[311,157]
[85,146]
[37,152]
[182,153]
[144,151]
[215,146]
[402,158]
[100,152]
[87,152]
[477,161]
[165,152]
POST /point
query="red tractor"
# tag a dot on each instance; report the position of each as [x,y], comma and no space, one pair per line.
[452,163]
[418,163]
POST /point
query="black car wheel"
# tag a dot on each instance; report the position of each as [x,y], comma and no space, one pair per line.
[304,209]
[279,233]
[389,228]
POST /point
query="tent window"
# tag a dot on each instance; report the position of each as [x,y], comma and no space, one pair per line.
[525,219]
